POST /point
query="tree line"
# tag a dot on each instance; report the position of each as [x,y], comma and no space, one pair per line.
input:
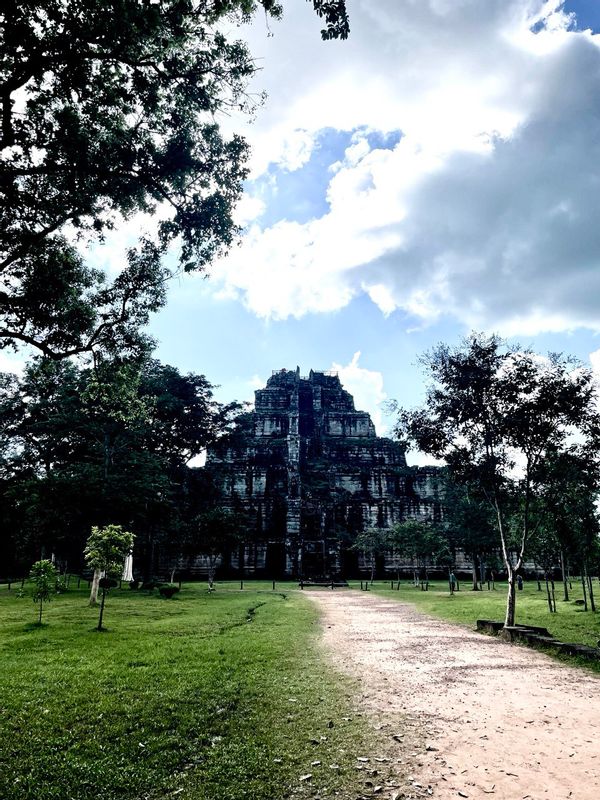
[107,443]
[519,434]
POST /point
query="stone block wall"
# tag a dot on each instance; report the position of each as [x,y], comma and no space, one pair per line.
[311,473]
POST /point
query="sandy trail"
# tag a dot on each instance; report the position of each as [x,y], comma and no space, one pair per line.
[485,718]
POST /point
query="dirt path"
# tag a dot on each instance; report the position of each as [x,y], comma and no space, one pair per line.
[484,718]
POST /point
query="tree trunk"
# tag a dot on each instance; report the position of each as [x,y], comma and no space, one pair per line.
[563,572]
[548,596]
[591,593]
[101,609]
[372,569]
[583,582]
[511,599]
[127,574]
[212,569]
[106,447]
[475,584]
[553,595]
[41,608]
[95,587]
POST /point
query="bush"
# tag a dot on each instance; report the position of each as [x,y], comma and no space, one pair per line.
[168,590]
[149,585]
[134,584]
[107,583]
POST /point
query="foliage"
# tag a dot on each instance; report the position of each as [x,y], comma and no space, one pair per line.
[45,577]
[216,531]
[110,111]
[422,542]
[84,447]
[105,552]
[468,524]
[492,413]
[372,542]
[168,591]
[107,549]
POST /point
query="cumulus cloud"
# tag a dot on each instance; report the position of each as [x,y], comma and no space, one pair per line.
[485,208]
[366,386]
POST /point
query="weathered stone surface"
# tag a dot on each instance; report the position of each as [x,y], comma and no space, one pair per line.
[310,472]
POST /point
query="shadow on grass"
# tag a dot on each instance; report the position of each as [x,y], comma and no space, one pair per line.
[35,626]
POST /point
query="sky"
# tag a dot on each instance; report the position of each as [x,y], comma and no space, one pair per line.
[436,173]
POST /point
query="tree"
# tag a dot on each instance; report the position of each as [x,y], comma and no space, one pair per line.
[45,577]
[492,413]
[105,552]
[372,543]
[109,108]
[85,447]
[216,531]
[568,483]
[422,543]
[468,525]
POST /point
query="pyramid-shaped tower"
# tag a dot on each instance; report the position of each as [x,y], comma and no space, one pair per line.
[309,472]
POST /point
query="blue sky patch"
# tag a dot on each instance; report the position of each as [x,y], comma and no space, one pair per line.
[300,196]
[588,14]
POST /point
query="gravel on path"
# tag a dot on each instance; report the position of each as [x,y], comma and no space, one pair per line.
[483,718]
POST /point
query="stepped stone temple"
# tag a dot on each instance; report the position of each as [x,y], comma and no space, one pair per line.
[309,472]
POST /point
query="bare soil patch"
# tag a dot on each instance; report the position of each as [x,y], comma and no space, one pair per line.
[481,717]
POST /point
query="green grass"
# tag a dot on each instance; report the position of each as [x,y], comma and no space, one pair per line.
[219,696]
[569,624]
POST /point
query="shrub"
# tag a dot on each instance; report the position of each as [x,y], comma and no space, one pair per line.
[168,590]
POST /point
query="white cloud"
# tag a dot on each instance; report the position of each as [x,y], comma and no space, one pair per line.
[595,362]
[10,362]
[366,386]
[485,210]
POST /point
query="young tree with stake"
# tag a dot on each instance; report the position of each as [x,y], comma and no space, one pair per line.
[106,551]
[45,578]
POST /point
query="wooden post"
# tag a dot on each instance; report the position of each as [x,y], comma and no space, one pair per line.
[273,585]
[78,581]
[241,584]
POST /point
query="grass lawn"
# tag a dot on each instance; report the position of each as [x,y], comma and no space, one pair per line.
[202,696]
[569,624]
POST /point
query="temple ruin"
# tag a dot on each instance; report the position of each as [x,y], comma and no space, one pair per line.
[308,472]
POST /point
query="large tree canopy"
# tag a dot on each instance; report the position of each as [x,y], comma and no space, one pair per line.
[110,108]
[84,447]
[494,413]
